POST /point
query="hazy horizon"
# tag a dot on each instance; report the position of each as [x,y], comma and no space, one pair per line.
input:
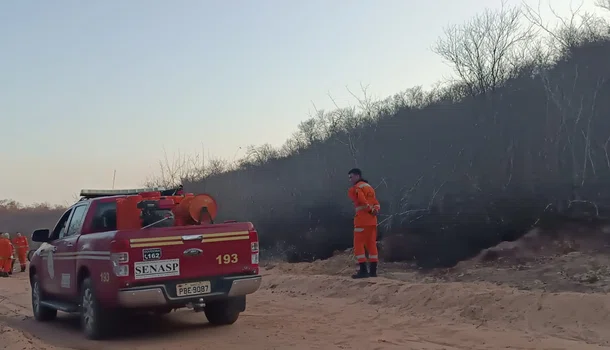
[95,87]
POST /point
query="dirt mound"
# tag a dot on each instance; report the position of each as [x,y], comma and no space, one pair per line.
[340,263]
[531,246]
[539,245]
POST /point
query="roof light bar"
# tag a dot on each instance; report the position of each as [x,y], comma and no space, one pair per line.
[103,193]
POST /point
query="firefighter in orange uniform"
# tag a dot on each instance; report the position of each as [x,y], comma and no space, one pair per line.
[6,251]
[21,246]
[365,223]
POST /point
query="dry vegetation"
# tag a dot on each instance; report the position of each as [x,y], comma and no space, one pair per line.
[520,137]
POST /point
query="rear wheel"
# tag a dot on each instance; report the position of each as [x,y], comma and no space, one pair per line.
[96,323]
[224,312]
[41,313]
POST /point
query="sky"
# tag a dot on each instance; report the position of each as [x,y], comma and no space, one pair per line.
[93,87]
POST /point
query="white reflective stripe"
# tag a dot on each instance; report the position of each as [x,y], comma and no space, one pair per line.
[361,256]
[361,207]
[81,255]
[358,229]
[373,256]
[362,185]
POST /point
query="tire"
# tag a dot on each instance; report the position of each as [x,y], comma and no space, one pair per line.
[95,322]
[224,312]
[41,313]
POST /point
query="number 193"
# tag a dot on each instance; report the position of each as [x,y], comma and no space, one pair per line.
[227,259]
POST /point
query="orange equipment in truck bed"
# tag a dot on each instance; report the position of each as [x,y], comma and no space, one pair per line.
[150,208]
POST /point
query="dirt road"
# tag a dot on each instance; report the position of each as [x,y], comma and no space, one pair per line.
[298,310]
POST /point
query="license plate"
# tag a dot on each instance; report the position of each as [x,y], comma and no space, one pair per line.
[195,288]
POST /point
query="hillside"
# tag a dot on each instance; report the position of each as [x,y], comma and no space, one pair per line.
[454,176]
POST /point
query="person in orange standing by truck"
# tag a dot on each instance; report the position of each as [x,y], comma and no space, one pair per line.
[22,246]
[6,251]
[365,223]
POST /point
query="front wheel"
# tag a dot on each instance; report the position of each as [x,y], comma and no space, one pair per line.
[96,323]
[224,312]
[41,313]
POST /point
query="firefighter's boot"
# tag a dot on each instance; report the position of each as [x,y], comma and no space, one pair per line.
[22,268]
[362,273]
[373,269]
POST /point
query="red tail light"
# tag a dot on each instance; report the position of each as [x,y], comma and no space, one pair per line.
[119,256]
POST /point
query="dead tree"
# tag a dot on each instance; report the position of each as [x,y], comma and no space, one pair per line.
[481,51]
[571,31]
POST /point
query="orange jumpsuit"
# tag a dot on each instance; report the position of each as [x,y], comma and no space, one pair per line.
[365,221]
[22,246]
[6,250]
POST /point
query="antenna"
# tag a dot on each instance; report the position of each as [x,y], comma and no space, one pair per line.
[202,157]
[113,178]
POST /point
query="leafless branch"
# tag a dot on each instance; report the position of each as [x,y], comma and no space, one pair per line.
[569,32]
[605,4]
[482,50]
[435,193]
[593,204]
[606,152]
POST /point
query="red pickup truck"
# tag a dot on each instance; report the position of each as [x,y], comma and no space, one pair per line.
[142,250]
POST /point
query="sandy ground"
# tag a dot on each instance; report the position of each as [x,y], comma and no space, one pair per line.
[297,308]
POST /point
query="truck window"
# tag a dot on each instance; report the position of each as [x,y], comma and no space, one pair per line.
[104,218]
[76,223]
[62,225]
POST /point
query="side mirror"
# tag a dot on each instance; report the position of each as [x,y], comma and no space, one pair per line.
[41,235]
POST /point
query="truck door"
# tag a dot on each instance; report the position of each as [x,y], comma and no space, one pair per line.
[66,254]
[48,279]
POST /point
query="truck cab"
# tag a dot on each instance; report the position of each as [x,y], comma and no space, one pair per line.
[142,250]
